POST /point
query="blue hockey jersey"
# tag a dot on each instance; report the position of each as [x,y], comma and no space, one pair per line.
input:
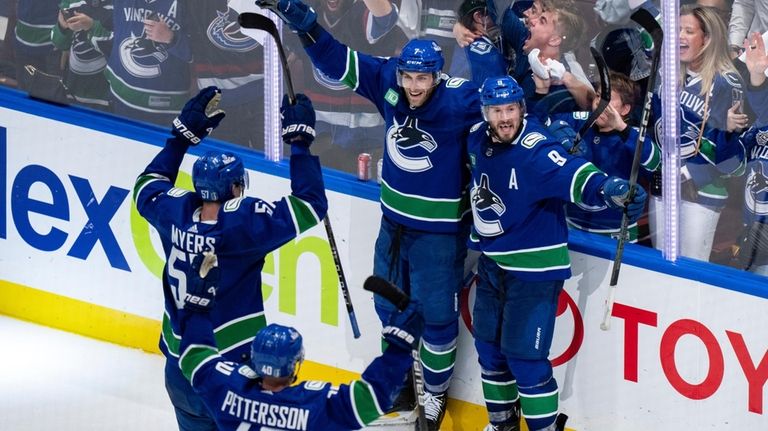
[712,155]
[247,230]
[146,75]
[612,152]
[233,392]
[755,141]
[518,194]
[485,60]
[424,174]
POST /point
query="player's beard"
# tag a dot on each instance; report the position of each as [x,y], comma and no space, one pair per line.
[505,131]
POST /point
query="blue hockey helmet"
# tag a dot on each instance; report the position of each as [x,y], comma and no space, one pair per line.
[501,90]
[214,174]
[277,351]
[421,55]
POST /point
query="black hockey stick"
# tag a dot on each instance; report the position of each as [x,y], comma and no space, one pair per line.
[605,98]
[400,300]
[646,20]
[261,22]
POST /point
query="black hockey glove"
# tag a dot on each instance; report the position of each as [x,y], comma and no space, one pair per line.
[298,121]
[615,193]
[299,16]
[199,117]
[405,327]
[202,282]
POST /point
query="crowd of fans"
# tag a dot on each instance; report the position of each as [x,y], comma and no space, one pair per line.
[143,60]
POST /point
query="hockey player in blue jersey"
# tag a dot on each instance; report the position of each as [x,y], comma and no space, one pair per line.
[218,217]
[259,394]
[610,145]
[421,245]
[521,176]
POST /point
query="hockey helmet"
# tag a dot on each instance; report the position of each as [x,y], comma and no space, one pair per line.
[501,90]
[421,55]
[277,351]
[214,174]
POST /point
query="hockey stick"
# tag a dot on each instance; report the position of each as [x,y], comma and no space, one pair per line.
[261,22]
[400,300]
[605,99]
[646,20]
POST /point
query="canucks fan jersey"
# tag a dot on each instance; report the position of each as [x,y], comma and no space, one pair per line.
[756,142]
[234,396]
[612,152]
[35,20]
[518,194]
[709,156]
[247,230]
[424,176]
[485,60]
[146,75]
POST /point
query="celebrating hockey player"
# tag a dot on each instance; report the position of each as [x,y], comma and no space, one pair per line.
[521,177]
[258,394]
[421,245]
[218,217]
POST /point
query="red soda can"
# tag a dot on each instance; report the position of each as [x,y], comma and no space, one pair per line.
[364,167]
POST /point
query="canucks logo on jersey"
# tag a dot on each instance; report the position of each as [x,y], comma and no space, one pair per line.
[756,196]
[408,146]
[484,200]
[142,57]
[224,33]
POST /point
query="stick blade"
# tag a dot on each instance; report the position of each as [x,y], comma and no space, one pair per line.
[647,21]
[257,21]
[388,291]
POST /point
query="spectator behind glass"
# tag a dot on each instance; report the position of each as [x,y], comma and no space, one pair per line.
[228,59]
[35,20]
[148,69]
[752,247]
[709,87]
[84,30]
[347,124]
[747,16]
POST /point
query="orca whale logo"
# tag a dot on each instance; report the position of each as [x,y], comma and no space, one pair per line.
[142,57]
[484,200]
[408,146]
[224,33]
[756,188]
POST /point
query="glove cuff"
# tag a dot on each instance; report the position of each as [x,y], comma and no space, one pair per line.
[181,131]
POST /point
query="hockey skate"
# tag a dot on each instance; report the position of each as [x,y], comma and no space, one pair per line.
[434,410]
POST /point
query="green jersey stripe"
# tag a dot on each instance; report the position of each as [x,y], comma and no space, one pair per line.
[533,259]
[143,181]
[302,213]
[423,208]
[580,179]
[194,357]
[364,402]
[654,159]
[350,77]
[230,335]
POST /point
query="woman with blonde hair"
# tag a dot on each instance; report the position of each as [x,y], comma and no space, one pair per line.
[710,88]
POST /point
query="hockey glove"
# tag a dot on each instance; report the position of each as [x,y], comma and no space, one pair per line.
[299,16]
[563,132]
[198,118]
[615,193]
[202,282]
[298,121]
[405,327]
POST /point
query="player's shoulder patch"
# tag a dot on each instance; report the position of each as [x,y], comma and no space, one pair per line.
[455,82]
[176,192]
[531,139]
[476,126]
[232,205]
[247,372]
[480,47]
[314,385]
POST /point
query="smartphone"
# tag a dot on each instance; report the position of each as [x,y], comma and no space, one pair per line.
[67,13]
[737,96]
[154,16]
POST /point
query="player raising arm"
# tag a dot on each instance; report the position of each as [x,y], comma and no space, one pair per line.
[217,217]
[259,392]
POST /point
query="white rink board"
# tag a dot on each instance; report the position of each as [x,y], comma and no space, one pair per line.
[600,388]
